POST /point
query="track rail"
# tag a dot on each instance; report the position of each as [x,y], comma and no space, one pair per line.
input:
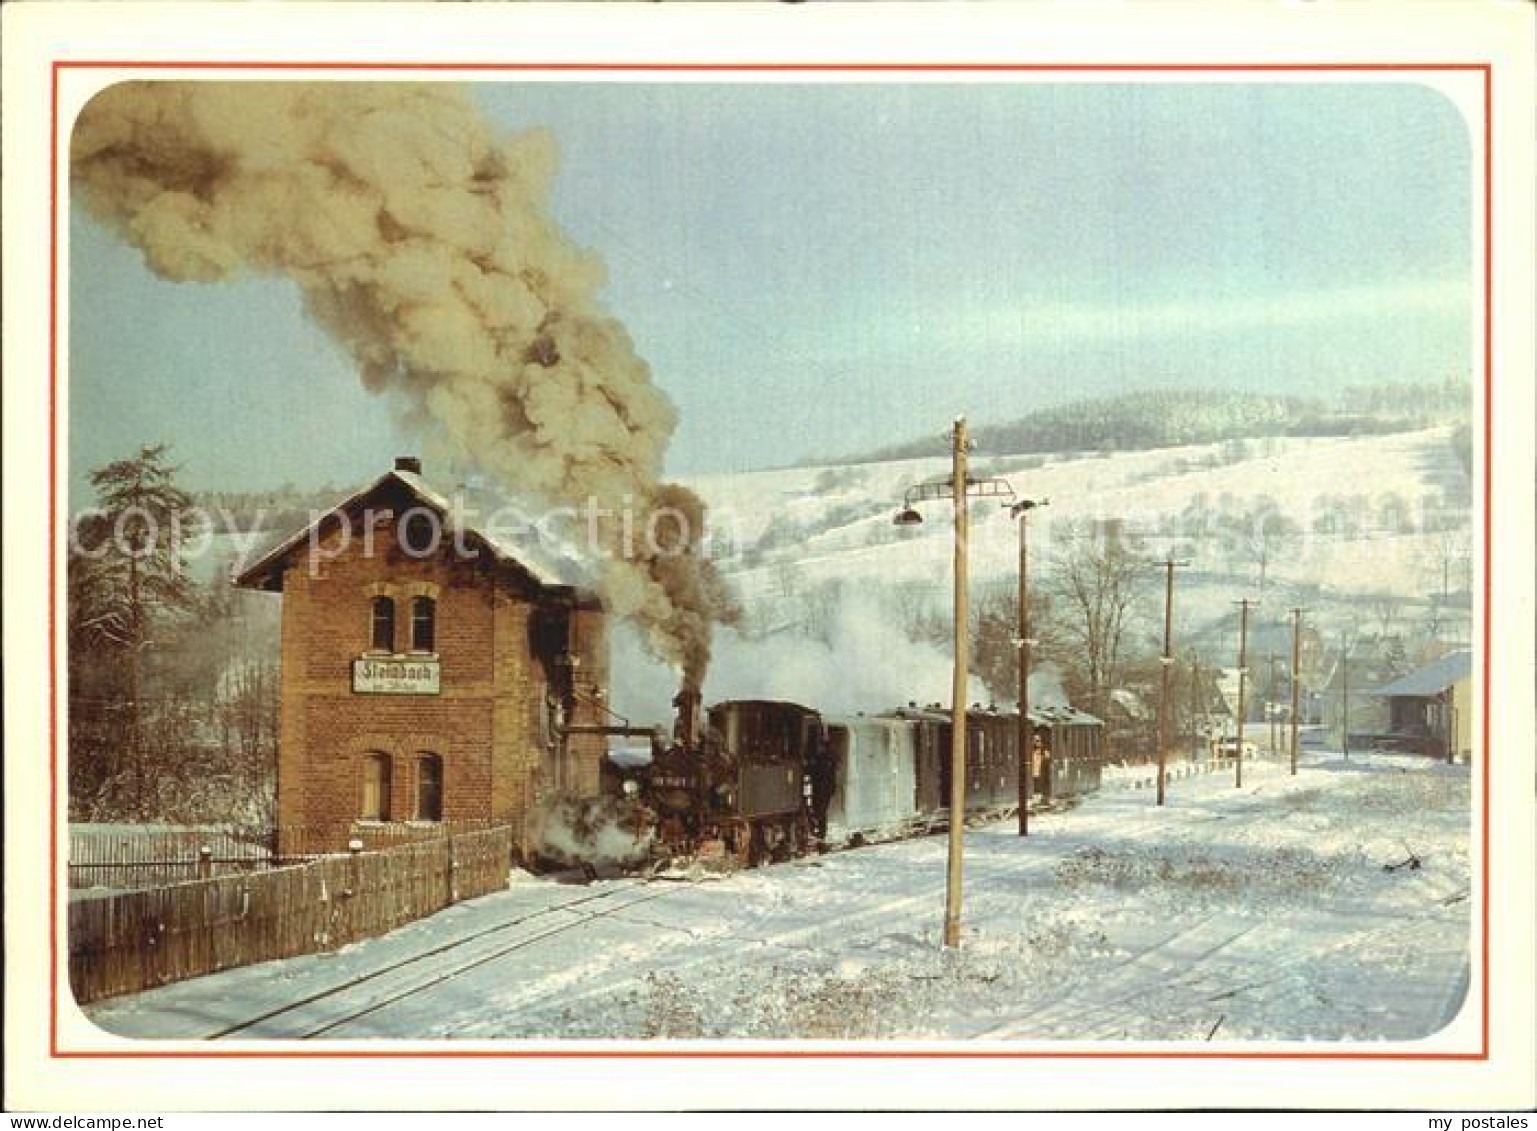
[444,948]
[447,975]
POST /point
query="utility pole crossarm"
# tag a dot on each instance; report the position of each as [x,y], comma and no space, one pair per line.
[945,489]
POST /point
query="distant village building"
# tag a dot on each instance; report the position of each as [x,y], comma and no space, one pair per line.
[1430,710]
[431,663]
[1344,691]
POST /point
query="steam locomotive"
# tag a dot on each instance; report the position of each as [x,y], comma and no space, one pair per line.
[760,780]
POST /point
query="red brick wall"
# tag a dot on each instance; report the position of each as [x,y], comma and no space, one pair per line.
[487,721]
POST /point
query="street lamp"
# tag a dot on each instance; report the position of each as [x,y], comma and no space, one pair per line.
[1021,510]
[957,487]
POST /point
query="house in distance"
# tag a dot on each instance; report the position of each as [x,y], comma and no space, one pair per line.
[435,668]
[1431,710]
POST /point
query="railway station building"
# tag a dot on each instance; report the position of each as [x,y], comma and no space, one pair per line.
[436,647]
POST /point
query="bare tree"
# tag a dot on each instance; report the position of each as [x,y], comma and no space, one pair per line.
[1445,574]
[819,609]
[914,604]
[1258,534]
[1385,607]
[1095,581]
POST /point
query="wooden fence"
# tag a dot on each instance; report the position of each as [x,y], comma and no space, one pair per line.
[128,857]
[136,940]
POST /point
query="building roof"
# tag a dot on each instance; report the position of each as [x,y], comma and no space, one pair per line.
[482,517]
[1040,716]
[1433,678]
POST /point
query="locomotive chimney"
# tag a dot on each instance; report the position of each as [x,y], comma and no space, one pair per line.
[686,729]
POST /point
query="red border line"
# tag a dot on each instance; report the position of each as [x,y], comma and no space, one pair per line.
[1483,754]
[53,525]
[815,68]
[903,68]
[752,1054]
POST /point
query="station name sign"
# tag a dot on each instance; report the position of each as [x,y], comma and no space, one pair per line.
[395,677]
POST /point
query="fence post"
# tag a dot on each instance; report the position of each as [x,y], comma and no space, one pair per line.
[204,862]
[354,853]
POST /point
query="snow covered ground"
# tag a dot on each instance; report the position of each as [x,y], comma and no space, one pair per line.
[841,515]
[1257,914]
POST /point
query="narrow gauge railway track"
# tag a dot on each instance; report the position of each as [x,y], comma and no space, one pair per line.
[803,936]
[455,944]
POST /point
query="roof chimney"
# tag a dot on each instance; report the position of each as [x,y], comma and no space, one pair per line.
[409,463]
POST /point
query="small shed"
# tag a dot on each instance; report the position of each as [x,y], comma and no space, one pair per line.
[1430,709]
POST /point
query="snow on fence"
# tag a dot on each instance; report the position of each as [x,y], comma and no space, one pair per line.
[124,856]
[137,940]
[145,856]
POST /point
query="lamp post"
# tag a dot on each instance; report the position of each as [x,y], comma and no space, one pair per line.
[1021,510]
[957,487]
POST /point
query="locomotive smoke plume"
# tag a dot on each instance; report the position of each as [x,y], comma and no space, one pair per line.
[1046,689]
[420,238]
[869,665]
[588,830]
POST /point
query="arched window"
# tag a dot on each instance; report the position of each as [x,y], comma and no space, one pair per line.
[383,637]
[429,788]
[376,787]
[424,622]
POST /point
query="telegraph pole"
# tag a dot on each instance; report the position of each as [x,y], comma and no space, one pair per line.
[1166,662]
[1195,707]
[1270,710]
[1345,699]
[958,692]
[1296,666]
[1243,673]
[1026,753]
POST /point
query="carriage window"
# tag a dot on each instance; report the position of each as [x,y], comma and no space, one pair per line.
[424,617]
[429,788]
[376,787]
[384,624]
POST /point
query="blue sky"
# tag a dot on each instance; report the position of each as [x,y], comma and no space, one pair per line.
[814,269]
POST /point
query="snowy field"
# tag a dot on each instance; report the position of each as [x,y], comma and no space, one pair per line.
[844,512]
[1257,914]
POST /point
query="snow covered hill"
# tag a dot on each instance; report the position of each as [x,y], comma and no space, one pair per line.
[1380,489]
[1371,532]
